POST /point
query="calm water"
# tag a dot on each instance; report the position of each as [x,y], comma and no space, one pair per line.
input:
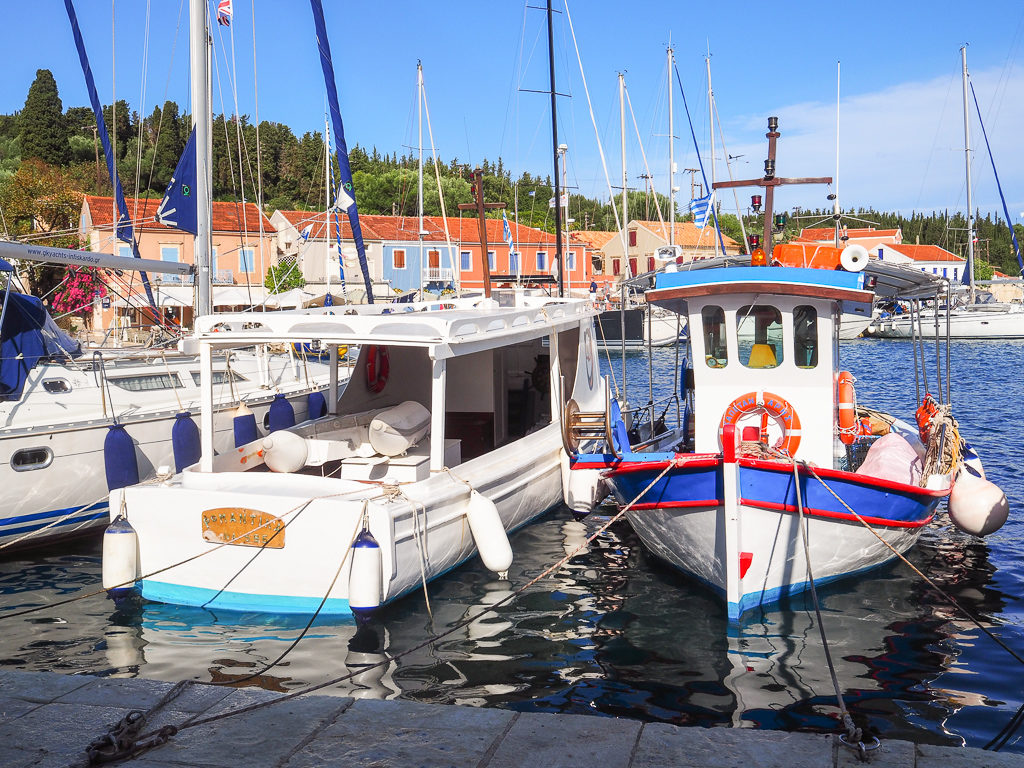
[615,633]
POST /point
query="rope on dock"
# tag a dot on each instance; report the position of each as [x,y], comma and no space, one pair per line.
[155,738]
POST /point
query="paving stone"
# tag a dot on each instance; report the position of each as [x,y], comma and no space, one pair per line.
[890,754]
[39,686]
[662,744]
[930,756]
[407,734]
[264,737]
[569,741]
[11,709]
[18,758]
[61,732]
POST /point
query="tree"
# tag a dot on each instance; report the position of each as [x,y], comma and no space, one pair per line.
[44,131]
[284,276]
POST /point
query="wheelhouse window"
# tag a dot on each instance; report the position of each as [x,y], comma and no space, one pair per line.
[805,336]
[716,354]
[759,336]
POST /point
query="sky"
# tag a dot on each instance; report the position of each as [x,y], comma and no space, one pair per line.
[900,128]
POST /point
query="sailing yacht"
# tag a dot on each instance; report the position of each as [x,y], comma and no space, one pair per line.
[73,427]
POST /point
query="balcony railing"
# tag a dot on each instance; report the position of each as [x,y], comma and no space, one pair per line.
[220,277]
[438,275]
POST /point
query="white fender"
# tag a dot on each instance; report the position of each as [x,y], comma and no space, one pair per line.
[284,451]
[365,581]
[489,533]
[120,555]
[977,506]
[582,489]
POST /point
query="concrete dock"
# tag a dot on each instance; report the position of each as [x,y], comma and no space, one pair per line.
[48,719]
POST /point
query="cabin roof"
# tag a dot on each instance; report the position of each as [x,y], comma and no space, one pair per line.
[445,329]
[790,281]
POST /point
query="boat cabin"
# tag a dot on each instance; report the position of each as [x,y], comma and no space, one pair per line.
[764,351]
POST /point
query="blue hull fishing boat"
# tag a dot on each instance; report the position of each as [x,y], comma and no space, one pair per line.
[775,477]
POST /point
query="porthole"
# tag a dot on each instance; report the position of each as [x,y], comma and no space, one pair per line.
[28,459]
[56,386]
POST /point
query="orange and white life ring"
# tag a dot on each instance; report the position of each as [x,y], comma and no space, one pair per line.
[848,427]
[769,405]
[378,367]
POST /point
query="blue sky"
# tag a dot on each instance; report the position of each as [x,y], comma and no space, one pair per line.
[901,125]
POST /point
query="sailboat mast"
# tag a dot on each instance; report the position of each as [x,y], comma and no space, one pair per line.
[967,159]
[625,202]
[671,160]
[554,152]
[711,125]
[327,202]
[419,104]
[198,40]
[835,189]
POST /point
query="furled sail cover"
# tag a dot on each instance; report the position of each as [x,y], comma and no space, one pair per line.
[28,335]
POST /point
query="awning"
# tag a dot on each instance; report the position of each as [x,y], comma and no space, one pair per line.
[181,296]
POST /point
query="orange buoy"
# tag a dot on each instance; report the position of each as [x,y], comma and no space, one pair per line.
[848,427]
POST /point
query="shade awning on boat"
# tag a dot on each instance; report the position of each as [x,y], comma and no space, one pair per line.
[182,296]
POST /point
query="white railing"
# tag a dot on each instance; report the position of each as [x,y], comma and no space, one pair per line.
[438,275]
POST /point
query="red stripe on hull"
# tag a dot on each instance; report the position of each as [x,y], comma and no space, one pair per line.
[879,521]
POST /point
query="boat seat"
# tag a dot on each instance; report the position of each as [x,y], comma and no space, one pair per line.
[762,356]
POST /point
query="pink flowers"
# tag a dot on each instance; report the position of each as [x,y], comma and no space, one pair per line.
[76,293]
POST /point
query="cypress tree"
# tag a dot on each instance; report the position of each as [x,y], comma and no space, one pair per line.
[44,130]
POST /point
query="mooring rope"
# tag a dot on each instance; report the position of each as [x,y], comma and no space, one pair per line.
[143,742]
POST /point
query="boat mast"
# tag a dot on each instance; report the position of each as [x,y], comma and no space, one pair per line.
[419,105]
[671,160]
[835,188]
[554,152]
[711,126]
[327,203]
[198,43]
[967,162]
[625,202]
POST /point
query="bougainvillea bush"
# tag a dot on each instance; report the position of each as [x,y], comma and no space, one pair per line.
[75,295]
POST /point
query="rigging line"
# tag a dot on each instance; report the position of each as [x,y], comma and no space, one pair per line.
[389,659]
[440,190]
[643,154]
[259,153]
[930,582]
[593,120]
[167,87]
[142,102]
[728,167]
[935,142]
[239,140]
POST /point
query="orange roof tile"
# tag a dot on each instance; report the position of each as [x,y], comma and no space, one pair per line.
[686,233]
[926,252]
[593,238]
[227,218]
[302,219]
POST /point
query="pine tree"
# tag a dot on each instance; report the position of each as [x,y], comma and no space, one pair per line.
[44,131]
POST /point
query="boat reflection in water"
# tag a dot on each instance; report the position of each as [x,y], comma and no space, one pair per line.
[613,633]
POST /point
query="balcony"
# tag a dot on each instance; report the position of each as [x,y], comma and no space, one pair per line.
[220,277]
[438,275]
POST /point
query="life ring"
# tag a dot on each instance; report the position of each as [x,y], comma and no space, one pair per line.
[769,405]
[848,427]
[378,367]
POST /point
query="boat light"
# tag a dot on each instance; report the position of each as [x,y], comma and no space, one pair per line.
[773,124]
[780,220]
[769,168]
[754,241]
[758,258]
[755,203]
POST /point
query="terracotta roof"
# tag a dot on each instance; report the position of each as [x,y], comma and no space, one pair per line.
[821,234]
[593,238]
[925,252]
[227,217]
[302,219]
[467,230]
[686,233]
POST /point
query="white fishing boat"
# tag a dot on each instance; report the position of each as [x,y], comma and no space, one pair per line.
[444,440]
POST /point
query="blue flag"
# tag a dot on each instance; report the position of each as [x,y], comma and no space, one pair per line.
[701,209]
[178,208]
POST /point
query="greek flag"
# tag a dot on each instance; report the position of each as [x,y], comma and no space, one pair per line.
[304,234]
[506,232]
[701,209]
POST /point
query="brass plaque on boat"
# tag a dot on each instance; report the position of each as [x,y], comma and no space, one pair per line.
[243,527]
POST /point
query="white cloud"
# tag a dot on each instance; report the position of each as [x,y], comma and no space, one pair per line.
[900,148]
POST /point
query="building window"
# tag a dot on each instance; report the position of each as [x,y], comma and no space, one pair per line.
[168,253]
[124,251]
[570,261]
[490,261]
[632,267]
[616,266]
[955,270]
[246,260]
[542,260]
[513,263]
[650,264]
[632,238]
[465,261]
[398,258]
[213,261]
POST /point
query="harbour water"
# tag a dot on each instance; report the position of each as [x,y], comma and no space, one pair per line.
[615,633]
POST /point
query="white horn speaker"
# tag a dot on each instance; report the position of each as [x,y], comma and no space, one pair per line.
[854,258]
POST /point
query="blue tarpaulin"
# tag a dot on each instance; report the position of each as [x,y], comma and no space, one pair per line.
[27,336]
